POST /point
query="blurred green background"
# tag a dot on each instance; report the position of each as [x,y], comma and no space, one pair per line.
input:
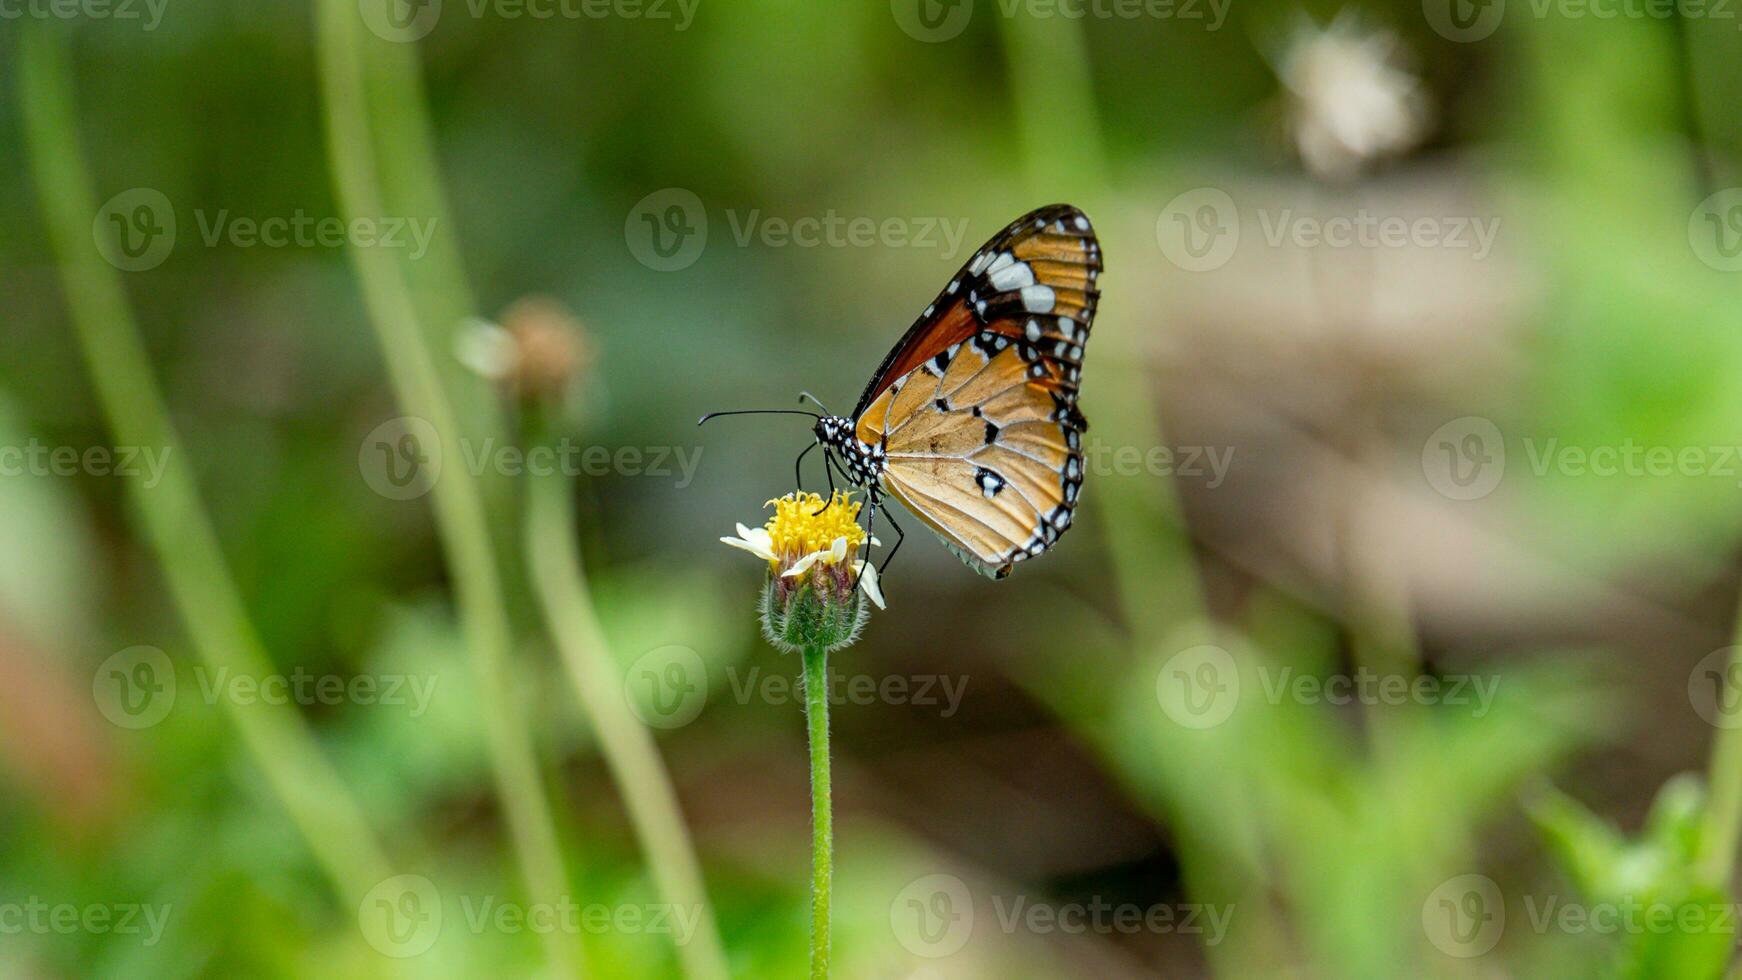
[1399,624]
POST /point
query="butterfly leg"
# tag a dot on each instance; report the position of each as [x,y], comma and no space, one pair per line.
[797,467]
[829,469]
[899,536]
[870,527]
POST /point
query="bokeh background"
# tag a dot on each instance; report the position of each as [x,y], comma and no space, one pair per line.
[1395,641]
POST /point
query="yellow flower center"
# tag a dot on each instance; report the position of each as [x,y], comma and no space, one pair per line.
[802,524]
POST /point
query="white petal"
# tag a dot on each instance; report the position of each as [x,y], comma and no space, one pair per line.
[803,564]
[758,548]
[759,535]
[876,543]
[868,581]
[838,551]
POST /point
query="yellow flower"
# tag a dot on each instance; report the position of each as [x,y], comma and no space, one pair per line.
[807,534]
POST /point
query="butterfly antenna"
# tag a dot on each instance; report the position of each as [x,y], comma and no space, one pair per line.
[758,411]
[805,394]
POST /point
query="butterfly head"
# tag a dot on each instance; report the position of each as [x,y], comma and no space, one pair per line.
[863,464]
[831,431]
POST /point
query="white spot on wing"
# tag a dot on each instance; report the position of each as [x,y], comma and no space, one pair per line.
[1037,298]
[1011,275]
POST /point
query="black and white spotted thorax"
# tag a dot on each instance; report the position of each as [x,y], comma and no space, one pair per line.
[864,464]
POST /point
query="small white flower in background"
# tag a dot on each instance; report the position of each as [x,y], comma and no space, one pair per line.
[1350,103]
[538,350]
[486,349]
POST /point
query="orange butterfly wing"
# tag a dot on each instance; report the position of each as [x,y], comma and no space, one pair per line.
[976,408]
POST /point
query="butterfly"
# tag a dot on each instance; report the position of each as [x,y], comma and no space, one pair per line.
[971,421]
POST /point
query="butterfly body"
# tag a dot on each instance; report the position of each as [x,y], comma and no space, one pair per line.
[972,419]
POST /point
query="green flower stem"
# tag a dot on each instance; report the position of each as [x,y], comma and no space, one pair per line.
[1717,861]
[816,706]
[554,566]
[172,516]
[458,505]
